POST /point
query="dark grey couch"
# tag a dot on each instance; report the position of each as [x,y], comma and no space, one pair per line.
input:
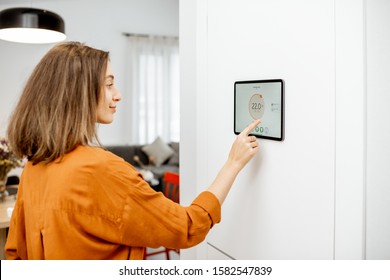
[127,152]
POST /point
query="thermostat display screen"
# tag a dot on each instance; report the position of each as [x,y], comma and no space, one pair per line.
[264,100]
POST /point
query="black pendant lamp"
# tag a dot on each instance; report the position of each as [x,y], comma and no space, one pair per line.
[28,25]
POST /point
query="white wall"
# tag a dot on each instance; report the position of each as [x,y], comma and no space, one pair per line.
[98,23]
[304,198]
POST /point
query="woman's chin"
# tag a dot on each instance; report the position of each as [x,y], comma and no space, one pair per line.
[105,120]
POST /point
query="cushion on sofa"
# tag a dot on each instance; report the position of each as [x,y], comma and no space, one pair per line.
[159,151]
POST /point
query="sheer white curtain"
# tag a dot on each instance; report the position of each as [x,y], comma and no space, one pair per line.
[152,87]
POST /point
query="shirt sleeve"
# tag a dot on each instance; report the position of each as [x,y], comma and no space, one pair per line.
[149,219]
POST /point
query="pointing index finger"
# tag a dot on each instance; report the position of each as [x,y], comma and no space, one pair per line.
[250,127]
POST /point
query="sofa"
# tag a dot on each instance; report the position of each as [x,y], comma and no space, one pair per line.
[158,157]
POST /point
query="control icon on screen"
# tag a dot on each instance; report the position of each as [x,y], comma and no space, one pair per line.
[256,106]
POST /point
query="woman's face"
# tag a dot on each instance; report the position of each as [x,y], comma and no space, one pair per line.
[107,104]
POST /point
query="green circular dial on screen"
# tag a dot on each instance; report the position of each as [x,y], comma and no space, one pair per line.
[256,106]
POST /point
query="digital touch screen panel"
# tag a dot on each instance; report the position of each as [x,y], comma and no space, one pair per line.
[264,100]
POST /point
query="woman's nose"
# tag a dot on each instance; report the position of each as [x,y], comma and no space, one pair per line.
[117,96]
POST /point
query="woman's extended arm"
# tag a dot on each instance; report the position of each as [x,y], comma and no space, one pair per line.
[243,149]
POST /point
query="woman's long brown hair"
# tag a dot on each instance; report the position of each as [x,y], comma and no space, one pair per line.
[57,109]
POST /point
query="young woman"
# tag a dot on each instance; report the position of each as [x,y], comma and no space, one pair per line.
[78,201]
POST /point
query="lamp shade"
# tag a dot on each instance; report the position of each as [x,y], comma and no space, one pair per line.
[28,25]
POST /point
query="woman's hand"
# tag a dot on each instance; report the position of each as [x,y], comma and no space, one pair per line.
[244,147]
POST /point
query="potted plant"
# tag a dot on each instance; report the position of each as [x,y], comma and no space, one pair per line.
[8,161]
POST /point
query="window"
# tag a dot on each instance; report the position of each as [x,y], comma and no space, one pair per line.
[153,88]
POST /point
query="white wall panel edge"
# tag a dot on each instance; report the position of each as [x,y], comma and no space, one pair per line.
[214,253]
[193,81]
[350,130]
[378,132]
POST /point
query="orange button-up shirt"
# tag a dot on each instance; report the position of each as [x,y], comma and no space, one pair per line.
[92,204]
